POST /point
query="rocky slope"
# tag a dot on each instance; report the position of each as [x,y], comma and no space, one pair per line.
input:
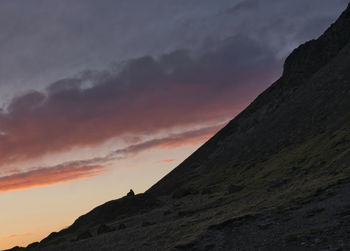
[277,177]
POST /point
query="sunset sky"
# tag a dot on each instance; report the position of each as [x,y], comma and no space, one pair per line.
[97,97]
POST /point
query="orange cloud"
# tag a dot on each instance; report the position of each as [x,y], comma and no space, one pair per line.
[131,167]
[170,141]
[145,96]
[96,166]
[164,161]
[48,176]
[16,236]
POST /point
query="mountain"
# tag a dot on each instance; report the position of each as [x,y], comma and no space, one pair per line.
[277,177]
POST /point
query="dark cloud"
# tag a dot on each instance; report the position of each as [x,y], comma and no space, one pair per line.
[234,50]
[42,41]
[146,96]
[283,25]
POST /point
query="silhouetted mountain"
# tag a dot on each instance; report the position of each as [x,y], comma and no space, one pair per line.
[277,177]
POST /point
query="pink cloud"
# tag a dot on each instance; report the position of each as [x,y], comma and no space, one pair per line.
[48,176]
[16,236]
[146,96]
[165,161]
[97,166]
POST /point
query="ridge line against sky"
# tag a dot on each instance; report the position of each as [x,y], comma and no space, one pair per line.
[155,79]
[147,94]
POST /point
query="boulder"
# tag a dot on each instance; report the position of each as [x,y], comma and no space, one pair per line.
[33,245]
[84,235]
[234,189]
[184,192]
[147,223]
[102,229]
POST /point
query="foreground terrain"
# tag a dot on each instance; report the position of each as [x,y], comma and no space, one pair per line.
[277,177]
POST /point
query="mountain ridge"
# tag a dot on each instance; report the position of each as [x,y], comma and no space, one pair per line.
[264,98]
[275,178]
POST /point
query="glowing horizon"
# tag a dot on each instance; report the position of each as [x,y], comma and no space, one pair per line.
[97,97]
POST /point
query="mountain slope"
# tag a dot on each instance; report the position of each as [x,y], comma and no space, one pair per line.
[275,178]
[292,110]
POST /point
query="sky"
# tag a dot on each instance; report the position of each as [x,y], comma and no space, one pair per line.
[97,97]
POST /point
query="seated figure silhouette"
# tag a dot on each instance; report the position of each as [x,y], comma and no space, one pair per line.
[130,193]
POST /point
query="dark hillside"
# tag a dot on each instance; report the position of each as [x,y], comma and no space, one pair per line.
[309,100]
[277,177]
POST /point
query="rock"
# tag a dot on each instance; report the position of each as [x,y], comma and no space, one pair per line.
[130,193]
[265,225]
[102,229]
[234,189]
[317,240]
[167,212]
[51,237]
[33,245]
[186,246]
[84,235]
[345,212]
[122,226]
[186,213]
[17,248]
[180,193]
[297,170]
[266,222]
[234,222]
[206,190]
[147,223]
[313,212]
[277,184]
